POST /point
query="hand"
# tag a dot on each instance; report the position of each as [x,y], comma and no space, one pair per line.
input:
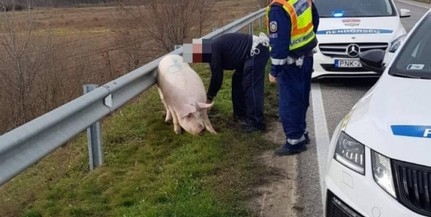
[272,79]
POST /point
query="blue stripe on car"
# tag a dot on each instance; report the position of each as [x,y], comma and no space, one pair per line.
[412,130]
[353,31]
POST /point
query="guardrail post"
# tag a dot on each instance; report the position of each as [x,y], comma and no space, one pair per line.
[250,28]
[94,137]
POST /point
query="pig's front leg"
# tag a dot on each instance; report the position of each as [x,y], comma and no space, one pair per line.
[207,122]
[168,113]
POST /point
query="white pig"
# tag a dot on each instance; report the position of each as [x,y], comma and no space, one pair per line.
[183,94]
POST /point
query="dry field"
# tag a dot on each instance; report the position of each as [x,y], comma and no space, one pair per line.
[47,54]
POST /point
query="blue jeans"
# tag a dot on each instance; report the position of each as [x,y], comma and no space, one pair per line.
[294,84]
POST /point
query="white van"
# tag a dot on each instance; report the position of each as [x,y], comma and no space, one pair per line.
[379,162]
[349,27]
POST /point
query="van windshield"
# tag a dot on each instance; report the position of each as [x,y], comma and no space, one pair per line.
[414,60]
[354,8]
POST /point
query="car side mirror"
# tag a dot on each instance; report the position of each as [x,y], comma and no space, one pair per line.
[373,60]
[405,13]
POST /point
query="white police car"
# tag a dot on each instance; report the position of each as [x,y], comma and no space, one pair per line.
[348,27]
[379,161]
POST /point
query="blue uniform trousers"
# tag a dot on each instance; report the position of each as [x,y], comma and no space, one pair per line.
[294,93]
[248,88]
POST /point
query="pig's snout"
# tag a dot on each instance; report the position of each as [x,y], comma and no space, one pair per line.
[200,129]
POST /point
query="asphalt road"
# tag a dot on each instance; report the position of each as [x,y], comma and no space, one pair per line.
[331,100]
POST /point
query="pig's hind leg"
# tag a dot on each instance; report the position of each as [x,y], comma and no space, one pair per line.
[168,113]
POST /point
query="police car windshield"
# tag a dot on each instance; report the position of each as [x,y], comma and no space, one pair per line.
[414,60]
[354,8]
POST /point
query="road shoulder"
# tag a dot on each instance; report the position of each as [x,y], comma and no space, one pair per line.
[279,195]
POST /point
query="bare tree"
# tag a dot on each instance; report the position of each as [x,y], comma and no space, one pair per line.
[167,22]
[32,73]
[203,12]
[20,67]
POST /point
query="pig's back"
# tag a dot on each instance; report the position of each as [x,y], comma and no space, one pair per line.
[178,79]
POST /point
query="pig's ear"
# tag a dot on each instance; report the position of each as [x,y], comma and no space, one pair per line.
[203,105]
[186,109]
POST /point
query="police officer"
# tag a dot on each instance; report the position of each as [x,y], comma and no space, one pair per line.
[292,26]
[247,55]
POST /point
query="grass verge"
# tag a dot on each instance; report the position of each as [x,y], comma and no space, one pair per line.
[148,170]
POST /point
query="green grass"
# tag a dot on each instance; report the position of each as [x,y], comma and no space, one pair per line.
[149,170]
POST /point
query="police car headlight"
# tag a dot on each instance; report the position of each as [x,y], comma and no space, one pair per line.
[395,44]
[350,153]
[382,172]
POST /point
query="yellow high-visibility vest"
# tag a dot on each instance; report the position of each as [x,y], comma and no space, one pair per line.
[302,21]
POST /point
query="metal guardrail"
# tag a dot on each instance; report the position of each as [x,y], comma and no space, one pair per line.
[25,145]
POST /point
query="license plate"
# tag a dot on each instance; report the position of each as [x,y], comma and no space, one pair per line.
[348,64]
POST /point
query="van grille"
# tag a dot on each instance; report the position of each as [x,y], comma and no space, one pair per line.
[340,49]
[413,186]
